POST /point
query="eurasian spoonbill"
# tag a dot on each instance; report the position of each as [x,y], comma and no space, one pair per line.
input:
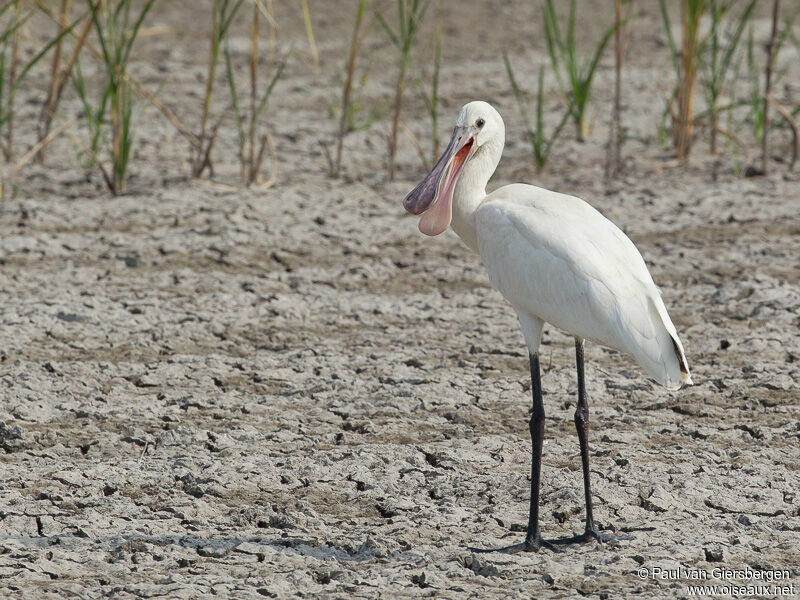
[556,260]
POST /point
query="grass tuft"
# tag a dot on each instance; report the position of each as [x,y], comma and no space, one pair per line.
[574,73]
[717,61]
[541,143]
[410,14]
[685,63]
[432,99]
[116,29]
[222,15]
[12,70]
[252,146]
[347,118]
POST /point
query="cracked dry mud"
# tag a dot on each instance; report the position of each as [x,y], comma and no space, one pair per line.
[291,393]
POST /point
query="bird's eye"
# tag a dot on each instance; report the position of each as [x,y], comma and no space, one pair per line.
[480,123]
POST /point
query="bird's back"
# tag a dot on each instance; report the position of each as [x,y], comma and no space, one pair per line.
[555,257]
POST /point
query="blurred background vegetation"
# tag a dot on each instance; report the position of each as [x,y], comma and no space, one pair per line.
[727,95]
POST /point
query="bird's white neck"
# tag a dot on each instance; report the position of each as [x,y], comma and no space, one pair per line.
[470,190]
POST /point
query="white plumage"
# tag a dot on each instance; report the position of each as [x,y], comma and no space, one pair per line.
[554,257]
[556,260]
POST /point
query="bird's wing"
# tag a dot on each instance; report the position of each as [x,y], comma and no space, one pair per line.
[555,257]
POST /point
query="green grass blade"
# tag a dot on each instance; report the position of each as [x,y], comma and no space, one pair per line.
[756,101]
[598,54]
[126,140]
[16,25]
[3,116]
[227,20]
[100,115]
[32,62]
[401,18]
[554,44]
[552,19]
[540,155]
[437,62]
[556,133]
[571,31]
[733,42]
[670,40]
[389,31]
[94,8]
[135,30]
[786,32]
[270,87]
[518,95]
[420,14]
[237,113]
[115,15]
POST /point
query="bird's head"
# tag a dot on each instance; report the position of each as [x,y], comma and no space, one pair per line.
[477,125]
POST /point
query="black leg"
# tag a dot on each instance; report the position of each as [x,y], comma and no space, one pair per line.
[582,425]
[533,539]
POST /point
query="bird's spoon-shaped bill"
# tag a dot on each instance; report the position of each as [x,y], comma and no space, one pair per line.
[433,197]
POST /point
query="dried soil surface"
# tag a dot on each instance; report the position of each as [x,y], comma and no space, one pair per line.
[209,391]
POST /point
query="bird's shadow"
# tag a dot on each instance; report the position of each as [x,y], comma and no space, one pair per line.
[204,546]
[558,545]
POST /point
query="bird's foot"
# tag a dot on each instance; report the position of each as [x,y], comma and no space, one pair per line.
[529,545]
[592,532]
[537,543]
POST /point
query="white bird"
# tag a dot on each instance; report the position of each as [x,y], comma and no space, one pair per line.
[556,260]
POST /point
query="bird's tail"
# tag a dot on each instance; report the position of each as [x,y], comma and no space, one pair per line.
[668,364]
